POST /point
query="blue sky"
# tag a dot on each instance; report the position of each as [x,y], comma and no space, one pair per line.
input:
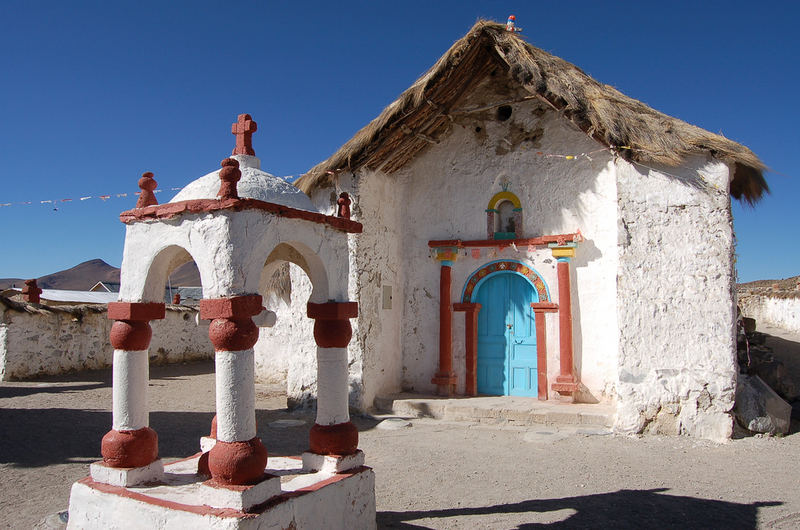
[95,93]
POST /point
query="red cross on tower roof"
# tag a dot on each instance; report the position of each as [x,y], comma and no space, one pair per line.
[244,129]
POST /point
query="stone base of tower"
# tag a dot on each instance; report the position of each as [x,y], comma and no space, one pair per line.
[292,498]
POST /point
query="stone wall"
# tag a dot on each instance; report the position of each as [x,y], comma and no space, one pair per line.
[677,369]
[781,310]
[42,340]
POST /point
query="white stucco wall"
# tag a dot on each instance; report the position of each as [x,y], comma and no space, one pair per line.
[449,187]
[287,353]
[781,312]
[376,262]
[676,314]
[230,249]
[65,339]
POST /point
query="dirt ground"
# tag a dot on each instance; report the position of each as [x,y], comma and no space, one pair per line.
[429,475]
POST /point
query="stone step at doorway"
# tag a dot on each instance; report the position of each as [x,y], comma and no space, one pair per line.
[506,410]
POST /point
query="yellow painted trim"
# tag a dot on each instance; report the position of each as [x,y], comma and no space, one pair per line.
[563,252]
[504,196]
[447,254]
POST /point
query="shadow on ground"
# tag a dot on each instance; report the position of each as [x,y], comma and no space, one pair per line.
[620,509]
[42,437]
[788,352]
[21,391]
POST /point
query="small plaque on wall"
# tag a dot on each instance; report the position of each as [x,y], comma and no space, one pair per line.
[387,296]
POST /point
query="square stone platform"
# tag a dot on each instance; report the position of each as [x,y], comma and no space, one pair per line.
[183,499]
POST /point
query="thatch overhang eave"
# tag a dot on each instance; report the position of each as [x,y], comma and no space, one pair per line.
[634,130]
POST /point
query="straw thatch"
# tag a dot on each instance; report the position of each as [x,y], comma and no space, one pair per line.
[422,115]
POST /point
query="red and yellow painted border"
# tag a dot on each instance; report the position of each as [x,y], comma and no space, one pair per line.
[505,266]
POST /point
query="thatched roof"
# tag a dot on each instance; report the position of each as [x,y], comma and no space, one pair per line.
[421,115]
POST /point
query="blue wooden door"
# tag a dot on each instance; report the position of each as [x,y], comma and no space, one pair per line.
[506,336]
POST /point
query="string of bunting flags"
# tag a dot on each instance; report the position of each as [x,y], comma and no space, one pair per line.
[288,178]
[102,197]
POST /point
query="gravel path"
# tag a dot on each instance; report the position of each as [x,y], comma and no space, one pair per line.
[429,475]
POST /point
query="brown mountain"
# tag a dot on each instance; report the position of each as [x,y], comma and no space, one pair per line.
[186,275]
[83,276]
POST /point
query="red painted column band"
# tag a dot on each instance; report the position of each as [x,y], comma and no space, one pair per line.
[129,448]
[566,382]
[331,323]
[338,439]
[445,378]
[237,463]
[131,332]
[131,335]
[232,327]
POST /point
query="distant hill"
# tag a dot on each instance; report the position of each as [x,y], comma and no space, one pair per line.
[787,284]
[186,275]
[83,276]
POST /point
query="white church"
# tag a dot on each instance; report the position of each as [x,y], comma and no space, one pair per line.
[529,231]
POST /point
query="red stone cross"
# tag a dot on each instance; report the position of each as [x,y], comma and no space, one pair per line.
[244,129]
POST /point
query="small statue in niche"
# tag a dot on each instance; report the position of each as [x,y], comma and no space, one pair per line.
[344,203]
[510,225]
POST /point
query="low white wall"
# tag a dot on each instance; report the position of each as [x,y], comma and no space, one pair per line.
[43,340]
[779,311]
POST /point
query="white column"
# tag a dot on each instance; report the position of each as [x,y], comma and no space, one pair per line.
[332,387]
[129,399]
[236,399]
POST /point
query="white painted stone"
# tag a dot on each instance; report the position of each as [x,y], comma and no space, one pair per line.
[265,319]
[182,500]
[236,395]
[239,498]
[393,424]
[759,408]
[313,462]
[254,184]
[207,443]
[332,407]
[676,314]
[129,390]
[127,476]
